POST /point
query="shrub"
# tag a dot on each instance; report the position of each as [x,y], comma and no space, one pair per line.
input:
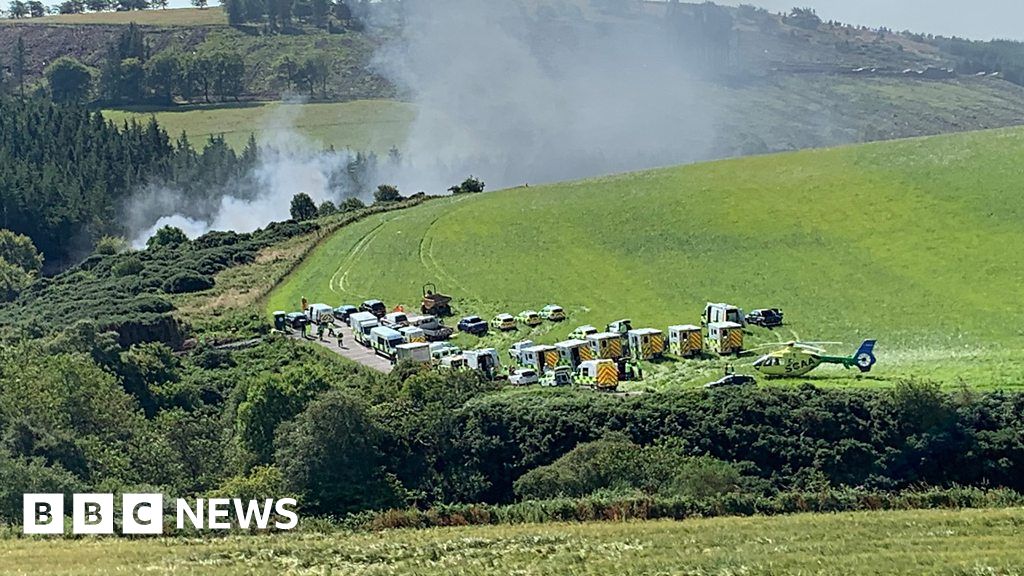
[110,245]
[187,282]
[470,185]
[327,208]
[127,267]
[302,207]
[167,236]
[351,204]
[386,193]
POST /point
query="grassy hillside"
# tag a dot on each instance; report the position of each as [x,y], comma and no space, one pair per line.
[909,242]
[87,37]
[932,542]
[769,115]
[784,88]
[362,125]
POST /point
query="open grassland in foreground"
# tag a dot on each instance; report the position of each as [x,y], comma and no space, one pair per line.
[364,125]
[915,243]
[970,542]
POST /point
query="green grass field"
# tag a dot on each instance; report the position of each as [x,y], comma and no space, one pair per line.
[172,17]
[375,125]
[960,543]
[912,242]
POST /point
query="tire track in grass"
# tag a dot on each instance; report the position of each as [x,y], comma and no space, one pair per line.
[430,264]
[353,256]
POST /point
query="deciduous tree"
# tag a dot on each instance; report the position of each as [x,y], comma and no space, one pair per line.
[69,80]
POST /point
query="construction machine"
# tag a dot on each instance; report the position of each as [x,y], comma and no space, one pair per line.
[434,302]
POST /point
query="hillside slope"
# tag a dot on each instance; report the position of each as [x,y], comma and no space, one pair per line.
[909,242]
[87,36]
[775,86]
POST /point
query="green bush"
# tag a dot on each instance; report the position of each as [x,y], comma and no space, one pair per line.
[639,507]
[127,267]
[187,282]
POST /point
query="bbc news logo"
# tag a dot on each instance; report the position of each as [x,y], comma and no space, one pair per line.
[144,514]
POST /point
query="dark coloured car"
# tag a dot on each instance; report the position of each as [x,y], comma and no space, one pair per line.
[296,320]
[473,325]
[344,311]
[732,380]
[375,307]
[765,317]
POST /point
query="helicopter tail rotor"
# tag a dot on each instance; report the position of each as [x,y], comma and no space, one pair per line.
[865,356]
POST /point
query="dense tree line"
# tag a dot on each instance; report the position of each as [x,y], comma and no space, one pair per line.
[1003,56]
[282,14]
[130,74]
[65,172]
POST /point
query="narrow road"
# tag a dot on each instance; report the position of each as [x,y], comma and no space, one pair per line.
[352,350]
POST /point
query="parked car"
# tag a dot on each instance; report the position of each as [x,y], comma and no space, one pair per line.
[503,322]
[344,311]
[523,377]
[375,307]
[395,320]
[732,380]
[620,326]
[473,325]
[515,351]
[530,318]
[582,332]
[552,312]
[296,320]
[439,350]
[432,327]
[560,376]
[765,317]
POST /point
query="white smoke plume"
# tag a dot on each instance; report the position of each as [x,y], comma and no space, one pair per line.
[512,92]
[288,164]
[516,95]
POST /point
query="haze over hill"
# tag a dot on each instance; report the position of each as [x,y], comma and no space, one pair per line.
[554,91]
[558,89]
[980,20]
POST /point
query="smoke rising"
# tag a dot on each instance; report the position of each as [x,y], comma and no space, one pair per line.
[287,164]
[515,95]
[512,92]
